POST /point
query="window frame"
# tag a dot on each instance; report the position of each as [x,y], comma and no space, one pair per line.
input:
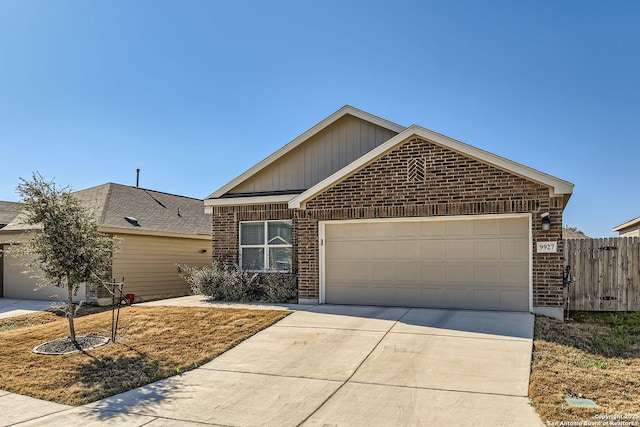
[265,246]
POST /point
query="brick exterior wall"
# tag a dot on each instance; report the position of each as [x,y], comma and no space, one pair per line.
[417,179]
[226,225]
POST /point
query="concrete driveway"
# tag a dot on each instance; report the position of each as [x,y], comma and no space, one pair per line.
[10,307]
[344,365]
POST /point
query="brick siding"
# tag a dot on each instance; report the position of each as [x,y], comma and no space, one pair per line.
[417,179]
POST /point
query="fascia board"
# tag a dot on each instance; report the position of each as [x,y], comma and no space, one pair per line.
[251,200]
[556,185]
[627,224]
[347,109]
[117,231]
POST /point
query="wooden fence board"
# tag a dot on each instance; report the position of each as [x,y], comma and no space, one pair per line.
[606,273]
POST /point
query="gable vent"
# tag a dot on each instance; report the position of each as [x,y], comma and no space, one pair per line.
[417,170]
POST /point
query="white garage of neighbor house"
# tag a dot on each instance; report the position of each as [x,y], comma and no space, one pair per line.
[156,231]
[366,211]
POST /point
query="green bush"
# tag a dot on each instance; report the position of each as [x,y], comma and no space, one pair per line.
[222,282]
[279,287]
[205,281]
[239,285]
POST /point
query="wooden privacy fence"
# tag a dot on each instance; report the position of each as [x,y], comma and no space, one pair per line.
[606,273]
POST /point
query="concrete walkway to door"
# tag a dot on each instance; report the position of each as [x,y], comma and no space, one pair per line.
[344,365]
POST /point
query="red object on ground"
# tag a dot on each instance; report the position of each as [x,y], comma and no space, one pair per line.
[131,298]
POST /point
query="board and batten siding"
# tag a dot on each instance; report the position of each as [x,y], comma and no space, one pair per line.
[323,154]
[148,264]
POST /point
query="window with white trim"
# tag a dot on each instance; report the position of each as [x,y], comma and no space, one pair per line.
[265,245]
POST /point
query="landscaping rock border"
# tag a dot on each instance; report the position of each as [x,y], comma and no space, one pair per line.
[66,346]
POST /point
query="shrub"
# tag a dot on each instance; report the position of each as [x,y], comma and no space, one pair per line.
[222,282]
[204,280]
[239,285]
[279,287]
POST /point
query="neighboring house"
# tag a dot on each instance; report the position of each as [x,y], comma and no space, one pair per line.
[629,228]
[8,211]
[366,211]
[573,233]
[157,230]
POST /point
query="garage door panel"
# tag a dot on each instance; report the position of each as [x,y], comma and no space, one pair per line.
[433,273]
[514,227]
[460,297]
[360,273]
[514,249]
[514,273]
[459,273]
[384,230]
[458,249]
[339,272]
[487,227]
[337,251]
[515,298]
[433,297]
[432,228]
[408,296]
[433,250]
[383,293]
[487,274]
[459,228]
[407,250]
[486,250]
[407,272]
[452,263]
[381,250]
[406,229]
[486,299]
[383,272]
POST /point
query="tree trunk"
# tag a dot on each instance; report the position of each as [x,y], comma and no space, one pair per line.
[71,312]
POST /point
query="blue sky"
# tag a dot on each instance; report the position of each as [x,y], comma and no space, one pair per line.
[195,92]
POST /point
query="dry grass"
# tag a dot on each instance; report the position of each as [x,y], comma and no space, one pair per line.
[594,356]
[153,343]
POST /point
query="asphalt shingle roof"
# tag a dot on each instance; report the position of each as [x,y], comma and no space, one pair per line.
[8,212]
[152,210]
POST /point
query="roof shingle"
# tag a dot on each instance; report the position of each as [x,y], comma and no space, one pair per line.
[154,211]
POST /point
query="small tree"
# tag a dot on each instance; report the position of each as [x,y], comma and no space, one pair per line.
[66,248]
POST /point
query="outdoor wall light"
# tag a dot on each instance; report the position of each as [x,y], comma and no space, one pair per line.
[546,222]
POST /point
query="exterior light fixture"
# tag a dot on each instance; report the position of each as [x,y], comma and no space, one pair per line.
[546,222]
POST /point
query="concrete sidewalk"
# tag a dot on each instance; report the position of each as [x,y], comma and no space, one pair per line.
[10,307]
[335,365]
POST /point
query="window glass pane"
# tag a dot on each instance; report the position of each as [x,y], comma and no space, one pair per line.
[279,233]
[280,259]
[252,259]
[252,233]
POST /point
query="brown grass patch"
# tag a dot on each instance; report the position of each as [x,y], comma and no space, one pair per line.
[594,356]
[153,343]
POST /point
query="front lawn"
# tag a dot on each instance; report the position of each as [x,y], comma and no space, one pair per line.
[153,343]
[594,356]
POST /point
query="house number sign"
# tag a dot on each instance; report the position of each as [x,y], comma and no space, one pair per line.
[547,247]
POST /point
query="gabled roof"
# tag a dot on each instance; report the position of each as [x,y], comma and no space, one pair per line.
[633,223]
[556,185]
[8,212]
[122,208]
[346,110]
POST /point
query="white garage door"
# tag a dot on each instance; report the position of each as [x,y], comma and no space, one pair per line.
[457,262]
